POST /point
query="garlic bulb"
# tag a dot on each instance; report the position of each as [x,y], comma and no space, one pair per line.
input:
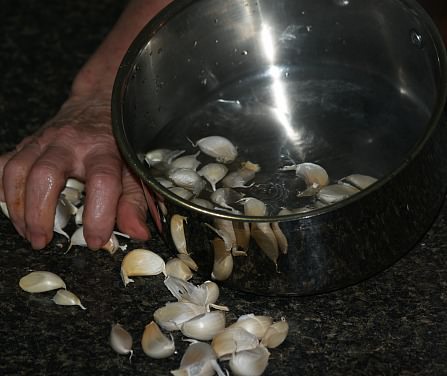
[188,179]
[173,315]
[141,262]
[239,178]
[231,340]
[65,297]
[205,326]
[217,147]
[155,344]
[178,269]
[256,325]
[41,281]
[158,156]
[335,193]
[225,197]
[358,181]
[182,192]
[213,173]
[250,362]
[177,226]
[276,334]
[223,261]
[121,340]
[188,161]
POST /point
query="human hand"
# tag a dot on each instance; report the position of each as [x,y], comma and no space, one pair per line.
[78,142]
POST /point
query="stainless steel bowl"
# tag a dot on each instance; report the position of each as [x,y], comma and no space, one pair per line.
[358,87]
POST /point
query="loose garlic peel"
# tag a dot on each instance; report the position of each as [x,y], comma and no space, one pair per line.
[250,362]
[121,340]
[173,315]
[231,340]
[41,281]
[256,325]
[205,326]
[275,334]
[65,297]
[155,344]
[112,245]
[141,262]
[175,267]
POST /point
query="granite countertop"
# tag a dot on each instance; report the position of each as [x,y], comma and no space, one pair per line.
[393,323]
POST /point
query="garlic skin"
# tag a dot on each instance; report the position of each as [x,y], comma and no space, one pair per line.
[256,325]
[213,173]
[141,262]
[112,245]
[188,179]
[41,281]
[65,297]
[178,269]
[75,184]
[205,326]
[155,344]
[159,156]
[4,208]
[217,147]
[336,193]
[231,340]
[250,362]
[121,340]
[275,334]
[188,161]
[172,316]
[177,227]
[64,211]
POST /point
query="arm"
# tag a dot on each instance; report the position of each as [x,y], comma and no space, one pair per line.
[78,142]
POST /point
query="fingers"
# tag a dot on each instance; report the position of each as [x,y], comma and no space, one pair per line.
[132,208]
[3,160]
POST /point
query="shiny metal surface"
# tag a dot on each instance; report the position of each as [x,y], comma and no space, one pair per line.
[358,87]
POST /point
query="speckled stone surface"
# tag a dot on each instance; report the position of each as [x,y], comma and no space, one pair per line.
[394,323]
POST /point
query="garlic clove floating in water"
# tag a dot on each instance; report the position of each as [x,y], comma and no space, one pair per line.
[182,192]
[158,156]
[175,267]
[121,340]
[336,193]
[239,178]
[276,334]
[41,281]
[165,182]
[177,227]
[65,297]
[205,326]
[213,173]
[173,315]
[155,344]
[358,181]
[203,203]
[254,324]
[187,161]
[217,147]
[141,262]
[250,362]
[231,340]
[188,179]
[225,197]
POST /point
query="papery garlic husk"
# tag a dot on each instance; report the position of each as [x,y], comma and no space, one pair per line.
[231,340]
[213,173]
[263,234]
[178,269]
[225,197]
[223,261]
[254,324]
[187,161]
[157,156]
[155,344]
[65,297]
[121,340]
[199,360]
[75,184]
[4,208]
[217,147]
[203,203]
[187,259]
[182,192]
[188,179]
[79,215]
[173,315]
[177,227]
[41,281]
[141,262]
[276,334]
[72,195]
[335,193]
[358,181]
[239,178]
[226,227]
[205,326]
[250,362]
[78,239]
[64,211]
[281,239]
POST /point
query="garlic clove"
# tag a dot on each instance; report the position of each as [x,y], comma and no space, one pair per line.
[165,182]
[223,261]
[212,291]
[281,239]
[65,297]
[121,340]
[205,326]
[312,173]
[227,228]
[175,267]
[336,193]
[231,340]
[276,334]
[4,208]
[254,207]
[182,192]
[177,227]
[225,197]
[155,344]
[173,315]
[64,211]
[250,362]
[213,173]
[217,147]
[188,179]
[113,245]
[78,216]
[203,203]
[256,325]
[141,262]
[157,156]
[41,281]
[187,161]
[358,181]
[228,239]
[242,233]
[239,178]
[263,234]
[187,259]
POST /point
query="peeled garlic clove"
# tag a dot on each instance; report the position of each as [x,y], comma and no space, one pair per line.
[250,362]
[177,227]
[65,297]
[188,179]
[157,156]
[256,325]
[181,192]
[41,281]
[205,326]
[225,197]
[276,334]
[155,344]
[173,315]
[311,173]
[336,193]
[223,261]
[141,262]
[178,269]
[187,259]
[359,181]
[188,161]
[254,207]
[263,234]
[231,340]
[281,239]
[213,173]
[203,203]
[4,208]
[218,147]
[121,340]
[239,178]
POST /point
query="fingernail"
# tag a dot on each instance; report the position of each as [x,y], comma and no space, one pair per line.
[95,243]
[38,241]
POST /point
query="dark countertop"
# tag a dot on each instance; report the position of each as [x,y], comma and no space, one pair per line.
[394,323]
